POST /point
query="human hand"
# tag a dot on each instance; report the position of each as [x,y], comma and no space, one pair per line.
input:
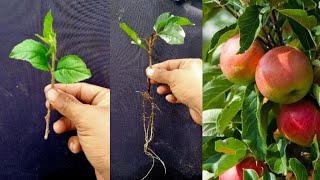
[181,82]
[86,109]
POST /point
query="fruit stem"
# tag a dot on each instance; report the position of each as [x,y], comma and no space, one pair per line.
[150,44]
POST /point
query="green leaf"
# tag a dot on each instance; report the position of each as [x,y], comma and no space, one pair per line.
[33,52]
[228,161]
[250,24]
[300,16]
[262,119]
[229,146]
[315,152]
[49,36]
[209,155]
[304,35]
[207,175]
[316,63]
[213,90]
[167,18]
[316,173]
[209,164]
[209,72]
[47,26]
[131,33]
[251,125]
[316,92]
[276,157]
[250,174]
[317,30]
[268,176]
[209,124]
[231,109]
[71,69]
[274,3]
[298,169]
[162,21]
[222,36]
[310,4]
[181,21]
[173,34]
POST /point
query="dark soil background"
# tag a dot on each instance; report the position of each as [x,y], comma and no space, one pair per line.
[83,29]
[177,138]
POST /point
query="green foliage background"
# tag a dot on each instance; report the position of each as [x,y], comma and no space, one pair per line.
[237,120]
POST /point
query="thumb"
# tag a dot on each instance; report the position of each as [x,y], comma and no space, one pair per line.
[160,75]
[65,104]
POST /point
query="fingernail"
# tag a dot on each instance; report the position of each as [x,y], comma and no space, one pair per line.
[52,95]
[150,72]
[72,146]
[56,127]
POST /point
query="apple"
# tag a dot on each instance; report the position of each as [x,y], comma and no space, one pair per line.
[284,75]
[240,68]
[299,122]
[236,172]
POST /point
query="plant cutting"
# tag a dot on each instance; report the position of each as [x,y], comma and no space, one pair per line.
[262,104]
[168,27]
[68,69]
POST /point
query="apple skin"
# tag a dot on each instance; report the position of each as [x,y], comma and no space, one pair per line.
[240,68]
[284,75]
[236,172]
[299,122]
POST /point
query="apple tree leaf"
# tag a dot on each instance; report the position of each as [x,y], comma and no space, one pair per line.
[131,33]
[298,169]
[213,90]
[276,156]
[71,69]
[173,34]
[249,24]
[229,145]
[250,174]
[33,52]
[300,16]
[231,109]
[251,125]
[209,124]
[167,18]
[49,36]
[222,36]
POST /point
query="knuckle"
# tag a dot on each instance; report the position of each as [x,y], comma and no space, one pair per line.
[67,101]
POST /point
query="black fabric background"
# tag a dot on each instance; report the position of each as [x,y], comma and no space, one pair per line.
[177,138]
[83,29]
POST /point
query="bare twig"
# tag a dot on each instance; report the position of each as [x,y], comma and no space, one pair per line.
[47,117]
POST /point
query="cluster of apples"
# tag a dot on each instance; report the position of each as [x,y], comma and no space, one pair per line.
[283,75]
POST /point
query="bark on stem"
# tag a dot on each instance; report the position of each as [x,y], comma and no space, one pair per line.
[47,117]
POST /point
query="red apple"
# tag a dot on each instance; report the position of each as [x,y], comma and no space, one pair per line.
[240,68]
[236,172]
[284,75]
[299,122]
